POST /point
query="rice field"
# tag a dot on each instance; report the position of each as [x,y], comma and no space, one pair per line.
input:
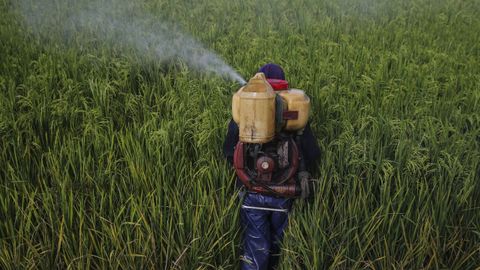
[112,160]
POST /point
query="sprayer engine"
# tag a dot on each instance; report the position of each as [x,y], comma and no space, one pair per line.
[271,118]
[269,168]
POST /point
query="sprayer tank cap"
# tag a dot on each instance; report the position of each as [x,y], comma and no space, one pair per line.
[258,84]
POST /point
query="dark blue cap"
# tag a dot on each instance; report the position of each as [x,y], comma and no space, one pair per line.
[272,71]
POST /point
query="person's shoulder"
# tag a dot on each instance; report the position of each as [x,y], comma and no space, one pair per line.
[307,128]
[232,128]
[232,124]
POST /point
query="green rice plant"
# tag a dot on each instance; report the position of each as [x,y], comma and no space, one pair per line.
[111,159]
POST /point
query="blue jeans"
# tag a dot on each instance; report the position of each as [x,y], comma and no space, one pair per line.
[263,230]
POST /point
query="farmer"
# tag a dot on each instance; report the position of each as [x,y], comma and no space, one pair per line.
[265,217]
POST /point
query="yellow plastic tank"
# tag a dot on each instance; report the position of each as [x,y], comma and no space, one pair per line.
[253,109]
[296,100]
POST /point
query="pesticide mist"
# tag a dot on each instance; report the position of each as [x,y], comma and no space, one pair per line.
[125,25]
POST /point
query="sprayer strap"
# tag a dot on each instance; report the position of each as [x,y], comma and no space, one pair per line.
[265,208]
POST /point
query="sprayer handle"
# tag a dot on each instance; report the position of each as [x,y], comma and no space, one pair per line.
[306,185]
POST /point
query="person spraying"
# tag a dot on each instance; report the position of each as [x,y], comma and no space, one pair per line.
[272,149]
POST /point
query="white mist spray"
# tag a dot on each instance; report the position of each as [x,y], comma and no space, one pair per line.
[117,21]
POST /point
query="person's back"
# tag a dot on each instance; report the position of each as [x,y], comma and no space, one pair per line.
[264,217]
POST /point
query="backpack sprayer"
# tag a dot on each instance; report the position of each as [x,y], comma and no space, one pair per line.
[268,157]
